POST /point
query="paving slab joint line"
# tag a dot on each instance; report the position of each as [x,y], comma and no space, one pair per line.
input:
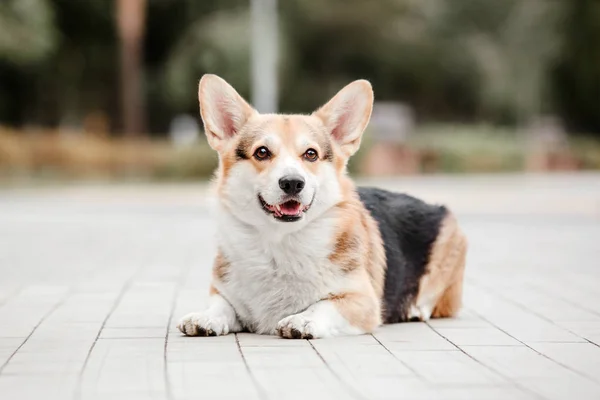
[54,308]
[128,283]
[184,274]
[259,389]
[545,292]
[414,371]
[542,317]
[519,386]
[346,387]
[116,303]
[525,309]
[165,349]
[571,303]
[534,350]
[564,300]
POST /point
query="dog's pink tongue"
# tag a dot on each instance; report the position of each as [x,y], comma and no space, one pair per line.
[290,208]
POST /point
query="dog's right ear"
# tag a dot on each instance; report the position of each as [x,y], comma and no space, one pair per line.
[347,114]
[224,112]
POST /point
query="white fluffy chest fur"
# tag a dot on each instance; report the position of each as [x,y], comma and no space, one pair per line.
[271,274]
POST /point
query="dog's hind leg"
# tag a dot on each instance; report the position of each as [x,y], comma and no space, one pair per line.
[451,300]
[440,289]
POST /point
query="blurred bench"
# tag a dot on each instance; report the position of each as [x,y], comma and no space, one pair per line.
[391,126]
[548,147]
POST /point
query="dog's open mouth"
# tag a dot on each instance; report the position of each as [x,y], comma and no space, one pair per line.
[288,211]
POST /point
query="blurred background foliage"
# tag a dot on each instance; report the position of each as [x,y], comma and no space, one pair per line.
[456,62]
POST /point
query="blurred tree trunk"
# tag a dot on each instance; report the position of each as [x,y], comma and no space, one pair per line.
[131,21]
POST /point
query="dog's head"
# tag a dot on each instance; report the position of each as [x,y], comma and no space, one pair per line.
[282,169]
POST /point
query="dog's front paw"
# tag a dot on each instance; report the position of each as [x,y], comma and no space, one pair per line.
[201,324]
[297,326]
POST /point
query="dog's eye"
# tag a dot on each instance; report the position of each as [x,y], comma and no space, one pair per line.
[262,153]
[311,155]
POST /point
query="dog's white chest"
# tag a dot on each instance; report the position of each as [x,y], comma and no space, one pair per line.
[269,280]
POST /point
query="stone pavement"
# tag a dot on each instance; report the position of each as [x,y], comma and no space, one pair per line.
[93,279]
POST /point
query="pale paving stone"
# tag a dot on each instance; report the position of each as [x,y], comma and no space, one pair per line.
[292,357]
[531,370]
[581,357]
[175,336]
[7,347]
[132,333]
[194,380]
[388,387]
[300,383]
[85,308]
[411,336]
[593,338]
[7,290]
[488,336]
[364,365]
[63,341]
[127,264]
[564,387]
[212,367]
[514,320]
[153,298]
[212,350]
[576,292]
[21,314]
[251,340]
[352,361]
[583,328]
[40,386]
[589,330]
[293,372]
[449,367]
[392,389]
[550,307]
[465,319]
[125,366]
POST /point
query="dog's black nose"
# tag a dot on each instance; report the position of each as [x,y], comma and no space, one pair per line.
[291,184]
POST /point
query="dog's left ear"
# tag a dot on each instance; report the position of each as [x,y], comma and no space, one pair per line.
[347,114]
[224,112]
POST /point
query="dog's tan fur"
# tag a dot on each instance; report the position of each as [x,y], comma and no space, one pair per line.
[444,272]
[358,308]
[358,251]
[220,267]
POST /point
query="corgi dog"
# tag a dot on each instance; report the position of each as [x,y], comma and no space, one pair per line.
[302,253]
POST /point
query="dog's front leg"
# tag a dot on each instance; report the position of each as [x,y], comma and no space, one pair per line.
[337,315]
[218,319]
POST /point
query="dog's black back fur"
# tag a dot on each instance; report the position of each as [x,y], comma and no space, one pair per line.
[408,229]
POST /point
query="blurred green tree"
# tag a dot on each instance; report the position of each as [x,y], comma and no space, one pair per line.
[80,74]
[452,60]
[27,36]
[27,31]
[577,74]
